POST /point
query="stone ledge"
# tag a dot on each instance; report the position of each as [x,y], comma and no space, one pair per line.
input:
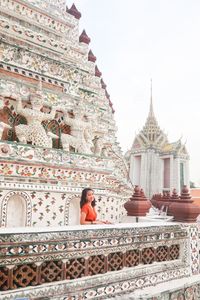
[165,289]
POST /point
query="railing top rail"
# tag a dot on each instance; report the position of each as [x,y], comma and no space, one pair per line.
[19,230]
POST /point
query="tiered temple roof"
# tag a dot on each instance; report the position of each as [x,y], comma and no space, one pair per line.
[151,136]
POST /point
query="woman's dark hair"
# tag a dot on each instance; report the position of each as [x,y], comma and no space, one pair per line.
[83,197]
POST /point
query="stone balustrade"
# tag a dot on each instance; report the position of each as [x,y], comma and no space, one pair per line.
[94,262]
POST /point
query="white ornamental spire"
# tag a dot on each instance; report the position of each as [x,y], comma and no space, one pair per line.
[151,128]
[151,113]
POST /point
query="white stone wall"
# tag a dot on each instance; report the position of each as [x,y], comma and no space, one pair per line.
[152,172]
[38,208]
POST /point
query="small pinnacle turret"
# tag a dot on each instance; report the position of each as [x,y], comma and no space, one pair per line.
[84,38]
[91,56]
[103,84]
[74,12]
[107,95]
[97,72]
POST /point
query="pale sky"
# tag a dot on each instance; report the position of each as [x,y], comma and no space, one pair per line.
[136,40]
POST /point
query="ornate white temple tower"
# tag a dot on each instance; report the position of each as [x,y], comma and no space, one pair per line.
[58,136]
[155,164]
[57,127]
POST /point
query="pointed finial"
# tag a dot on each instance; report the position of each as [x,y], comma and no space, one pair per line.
[151,129]
[180,137]
[74,12]
[107,95]
[83,38]
[91,56]
[151,113]
[103,84]
[97,72]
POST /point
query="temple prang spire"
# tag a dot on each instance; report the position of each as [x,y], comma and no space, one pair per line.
[151,112]
[151,129]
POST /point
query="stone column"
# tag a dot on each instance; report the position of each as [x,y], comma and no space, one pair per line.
[143,173]
[156,188]
[187,173]
[131,172]
[171,173]
[148,177]
[161,171]
[176,171]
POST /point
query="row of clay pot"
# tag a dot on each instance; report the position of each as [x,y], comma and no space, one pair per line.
[163,200]
[180,207]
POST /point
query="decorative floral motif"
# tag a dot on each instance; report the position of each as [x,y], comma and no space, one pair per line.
[5,150]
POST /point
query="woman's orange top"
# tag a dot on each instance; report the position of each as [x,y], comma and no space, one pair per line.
[91,214]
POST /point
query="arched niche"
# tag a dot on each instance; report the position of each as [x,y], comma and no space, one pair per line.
[16,210]
[72,211]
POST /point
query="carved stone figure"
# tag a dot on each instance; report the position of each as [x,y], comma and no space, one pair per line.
[34,132]
[88,136]
[100,146]
[81,136]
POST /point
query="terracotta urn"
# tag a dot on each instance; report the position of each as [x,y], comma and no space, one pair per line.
[155,200]
[160,200]
[183,209]
[138,205]
[164,201]
[174,197]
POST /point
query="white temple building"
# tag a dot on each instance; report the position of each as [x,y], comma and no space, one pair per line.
[155,164]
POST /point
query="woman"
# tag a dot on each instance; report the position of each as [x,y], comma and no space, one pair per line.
[88,211]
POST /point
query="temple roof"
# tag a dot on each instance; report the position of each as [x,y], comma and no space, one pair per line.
[176,147]
[151,134]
